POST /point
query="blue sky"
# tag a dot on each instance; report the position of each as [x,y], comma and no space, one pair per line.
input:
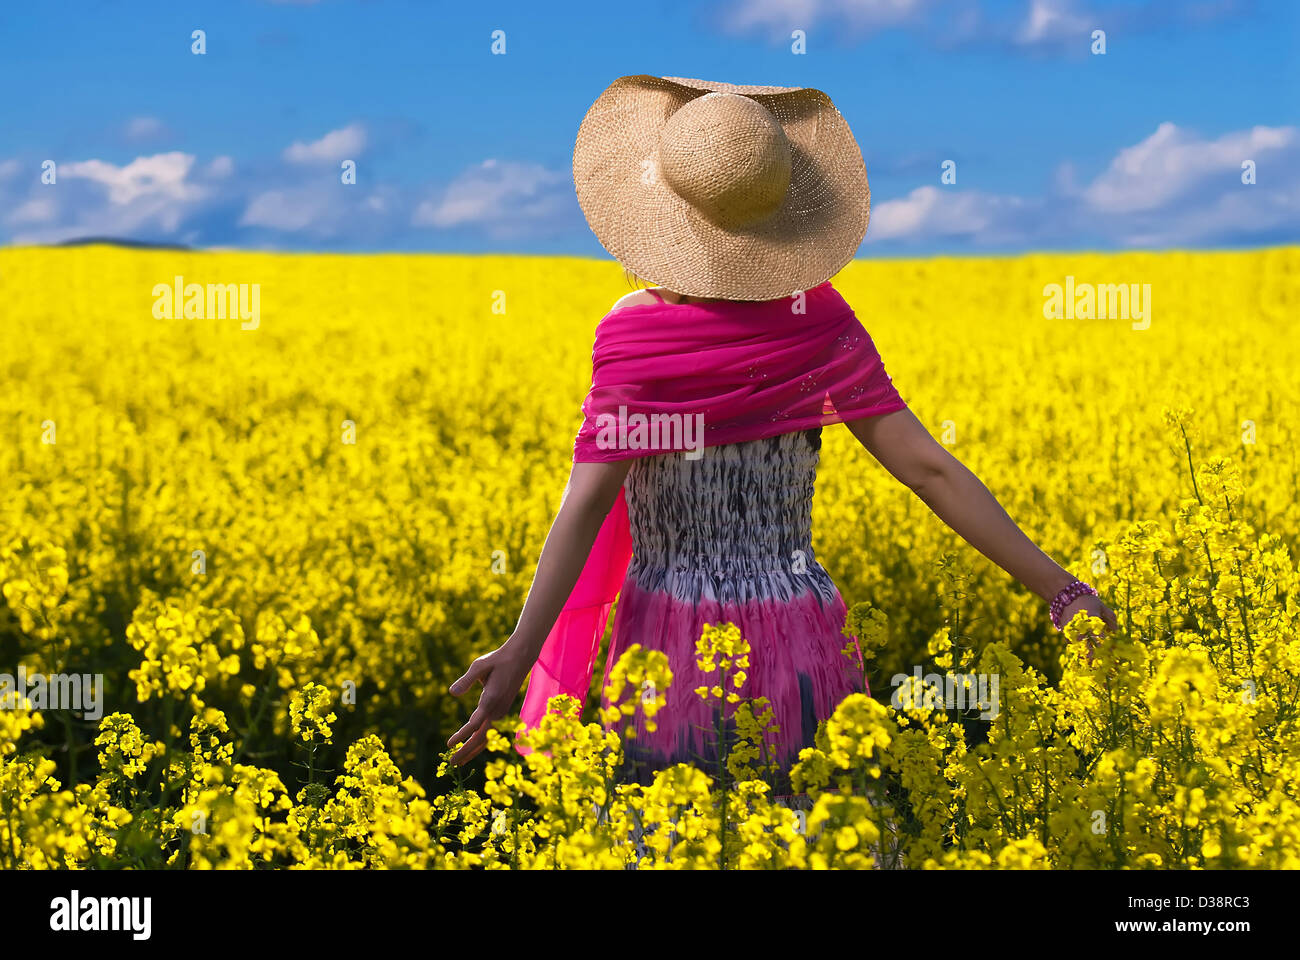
[458,149]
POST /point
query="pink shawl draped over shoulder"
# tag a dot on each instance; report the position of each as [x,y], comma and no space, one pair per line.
[673,378]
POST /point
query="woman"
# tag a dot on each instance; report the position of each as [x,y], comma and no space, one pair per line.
[691,489]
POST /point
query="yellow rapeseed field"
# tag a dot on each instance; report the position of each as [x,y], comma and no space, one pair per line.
[278,540]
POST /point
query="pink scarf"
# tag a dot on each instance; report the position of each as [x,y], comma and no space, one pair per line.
[668,378]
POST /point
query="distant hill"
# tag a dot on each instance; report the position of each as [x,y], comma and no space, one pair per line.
[121,242]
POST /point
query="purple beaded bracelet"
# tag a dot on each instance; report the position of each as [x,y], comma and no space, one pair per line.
[1067,595]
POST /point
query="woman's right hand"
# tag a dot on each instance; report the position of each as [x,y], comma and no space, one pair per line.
[502,673]
[591,492]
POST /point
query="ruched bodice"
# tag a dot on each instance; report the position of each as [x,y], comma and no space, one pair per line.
[728,538]
[734,525]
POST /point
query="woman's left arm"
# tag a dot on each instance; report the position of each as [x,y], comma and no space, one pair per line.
[907,450]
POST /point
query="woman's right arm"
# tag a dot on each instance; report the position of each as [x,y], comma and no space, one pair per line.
[588,498]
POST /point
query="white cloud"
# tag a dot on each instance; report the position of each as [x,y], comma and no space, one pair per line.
[39,209]
[285,210]
[169,196]
[1053,21]
[221,167]
[505,198]
[337,145]
[1027,26]
[946,212]
[160,176]
[143,128]
[782,16]
[1242,213]
[326,210]
[1171,189]
[149,196]
[1172,163]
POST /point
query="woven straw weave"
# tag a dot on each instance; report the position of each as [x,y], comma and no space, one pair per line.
[721,190]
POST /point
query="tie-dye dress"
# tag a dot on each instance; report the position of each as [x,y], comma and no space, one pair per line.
[728,537]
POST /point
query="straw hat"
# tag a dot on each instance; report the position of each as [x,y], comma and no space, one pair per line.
[721,190]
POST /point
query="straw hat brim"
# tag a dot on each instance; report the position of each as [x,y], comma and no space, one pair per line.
[662,238]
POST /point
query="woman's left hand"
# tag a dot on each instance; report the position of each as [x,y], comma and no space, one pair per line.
[1093,607]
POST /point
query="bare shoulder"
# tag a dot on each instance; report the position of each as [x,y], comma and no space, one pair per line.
[634,298]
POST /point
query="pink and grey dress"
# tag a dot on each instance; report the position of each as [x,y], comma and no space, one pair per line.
[718,534]
[728,538]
